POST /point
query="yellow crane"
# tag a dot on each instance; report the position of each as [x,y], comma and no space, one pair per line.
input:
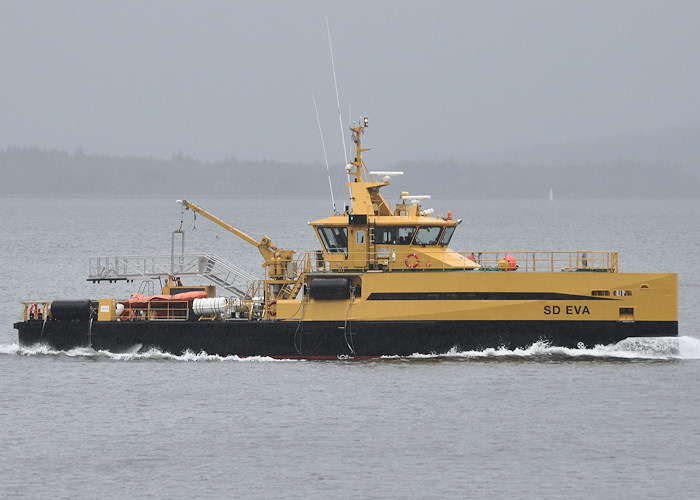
[277,261]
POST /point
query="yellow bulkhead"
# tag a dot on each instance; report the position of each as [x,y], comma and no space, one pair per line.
[493,296]
[107,310]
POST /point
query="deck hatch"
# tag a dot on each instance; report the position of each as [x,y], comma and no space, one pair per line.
[627,314]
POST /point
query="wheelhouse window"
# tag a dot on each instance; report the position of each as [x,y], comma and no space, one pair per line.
[393,235]
[335,239]
[447,235]
[428,235]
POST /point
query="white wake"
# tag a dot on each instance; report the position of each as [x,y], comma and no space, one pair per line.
[641,348]
[134,354]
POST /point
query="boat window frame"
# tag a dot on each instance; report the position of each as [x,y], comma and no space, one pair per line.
[431,242]
[451,230]
[397,239]
[336,248]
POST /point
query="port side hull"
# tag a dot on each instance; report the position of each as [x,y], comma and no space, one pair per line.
[317,339]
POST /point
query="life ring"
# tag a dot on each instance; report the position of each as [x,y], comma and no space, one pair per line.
[128,315]
[34,311]
[408,263]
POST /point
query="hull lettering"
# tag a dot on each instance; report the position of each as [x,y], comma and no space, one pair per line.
[568,310]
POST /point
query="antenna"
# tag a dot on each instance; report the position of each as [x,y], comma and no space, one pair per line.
[337,100]
[323,143]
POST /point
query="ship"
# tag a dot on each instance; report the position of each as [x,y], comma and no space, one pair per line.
[385,282]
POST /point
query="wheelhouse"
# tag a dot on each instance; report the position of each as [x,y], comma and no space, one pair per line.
[335,238]
[370,235]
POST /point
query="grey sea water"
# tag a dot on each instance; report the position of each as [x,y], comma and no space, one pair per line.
[612,421]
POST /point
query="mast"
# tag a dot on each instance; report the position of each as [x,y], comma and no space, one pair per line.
[361,173]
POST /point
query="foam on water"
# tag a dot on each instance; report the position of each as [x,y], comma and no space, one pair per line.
[132,355]
[689,347]
[649,348]
[636,348]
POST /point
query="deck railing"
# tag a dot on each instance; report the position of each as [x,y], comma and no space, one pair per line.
[168,310]
[36,309]
[216,270]
[520,261]
[545,261]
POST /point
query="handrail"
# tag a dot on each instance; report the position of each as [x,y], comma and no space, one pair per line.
[106,267]
[549,261]
[207,266]
[37,309]
[525,261]
[167,310]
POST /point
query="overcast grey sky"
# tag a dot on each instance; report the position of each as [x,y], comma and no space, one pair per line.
[214,79]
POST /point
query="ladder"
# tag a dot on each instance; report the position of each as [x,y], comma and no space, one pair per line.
[371,250]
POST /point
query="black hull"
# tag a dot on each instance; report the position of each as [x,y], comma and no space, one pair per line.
[284,339]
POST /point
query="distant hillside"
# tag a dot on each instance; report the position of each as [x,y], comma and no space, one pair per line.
[612,180]
[676,145]
[38,172]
